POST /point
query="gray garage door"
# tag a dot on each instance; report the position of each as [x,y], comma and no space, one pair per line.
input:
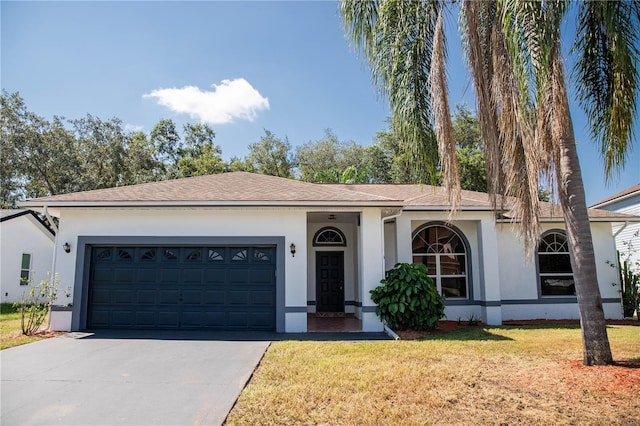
[217,288]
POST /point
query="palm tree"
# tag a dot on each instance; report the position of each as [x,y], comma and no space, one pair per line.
[513,51]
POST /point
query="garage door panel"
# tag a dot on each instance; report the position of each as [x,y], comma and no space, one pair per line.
[169,275]
[168,319]
[104,275]
[146,297]
[191,297]
[182,287]
[122,296]
[192,275]
[169,297]
[100,318]
[214,297]
[262,297]
[147,275]
[122,317]
[215,277]
[214,319]
[237,298]
[191,319]
[101,296]
[238,276]
[262,320]
[146,318]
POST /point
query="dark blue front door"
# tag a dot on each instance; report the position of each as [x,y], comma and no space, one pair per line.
[330,281]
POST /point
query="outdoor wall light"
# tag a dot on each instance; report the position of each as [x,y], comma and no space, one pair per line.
[292,247]
[66,247]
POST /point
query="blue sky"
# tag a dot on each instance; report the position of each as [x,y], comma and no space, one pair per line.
[241,66]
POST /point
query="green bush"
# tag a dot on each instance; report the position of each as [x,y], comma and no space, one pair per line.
[408,298]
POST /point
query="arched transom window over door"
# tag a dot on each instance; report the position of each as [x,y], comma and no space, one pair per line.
[554,265]
[442,249]
[329,237]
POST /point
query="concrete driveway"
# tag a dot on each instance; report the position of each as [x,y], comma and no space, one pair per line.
[126,378]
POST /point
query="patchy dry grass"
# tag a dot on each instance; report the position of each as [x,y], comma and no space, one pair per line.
[10,329]
[480,375]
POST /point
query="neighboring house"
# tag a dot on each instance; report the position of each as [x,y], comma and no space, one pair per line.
[26,250]
[246,251]
[627,234]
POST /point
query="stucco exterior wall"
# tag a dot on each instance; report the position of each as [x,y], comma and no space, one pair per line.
[521,298]
[197,222]
[504,283]
[23,235]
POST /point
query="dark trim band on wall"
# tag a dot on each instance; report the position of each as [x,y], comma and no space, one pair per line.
[552,301]
[295,309]
[369,309]
[346,303]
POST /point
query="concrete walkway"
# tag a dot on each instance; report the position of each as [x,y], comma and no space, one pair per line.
[133,377]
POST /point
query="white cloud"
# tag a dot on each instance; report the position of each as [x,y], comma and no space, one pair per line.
[133,127]
[228,101]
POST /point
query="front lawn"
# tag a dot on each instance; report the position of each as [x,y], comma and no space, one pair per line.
[479,375]
[10,329]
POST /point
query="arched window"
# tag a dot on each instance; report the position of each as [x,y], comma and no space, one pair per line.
[329,237]
[443,250]
[554,265]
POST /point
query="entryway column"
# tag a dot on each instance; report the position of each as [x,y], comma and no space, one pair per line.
[490,272]
[371,265]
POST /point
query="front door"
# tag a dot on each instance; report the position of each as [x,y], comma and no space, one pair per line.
[330,281]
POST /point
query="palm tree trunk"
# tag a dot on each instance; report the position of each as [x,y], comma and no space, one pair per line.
[596,349]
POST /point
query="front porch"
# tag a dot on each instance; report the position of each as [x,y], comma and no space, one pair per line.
[319,323]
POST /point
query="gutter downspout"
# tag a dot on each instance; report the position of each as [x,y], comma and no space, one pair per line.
[626,223]
[390,332]
[393,215]
[52,277]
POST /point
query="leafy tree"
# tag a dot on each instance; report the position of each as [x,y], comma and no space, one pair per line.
[166,141]
[316,158]
[198,155]
[140,162]
[513,49]
[100,149]
[271,156]
[469,150]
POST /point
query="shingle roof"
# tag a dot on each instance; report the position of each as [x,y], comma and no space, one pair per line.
[235,187]
[631,190]
[243,188]
[420,195]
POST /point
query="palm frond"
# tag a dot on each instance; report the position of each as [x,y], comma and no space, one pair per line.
[607,74]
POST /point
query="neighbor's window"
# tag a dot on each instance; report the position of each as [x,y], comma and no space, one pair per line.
[25,269]
[443,250]
[554,265]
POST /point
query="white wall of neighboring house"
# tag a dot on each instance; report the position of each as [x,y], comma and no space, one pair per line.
[628,238]
[19,235]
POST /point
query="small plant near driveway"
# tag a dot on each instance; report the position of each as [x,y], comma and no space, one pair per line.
[36,304]
[408,298]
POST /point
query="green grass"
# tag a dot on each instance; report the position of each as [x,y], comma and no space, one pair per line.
[479,375]
[10,329]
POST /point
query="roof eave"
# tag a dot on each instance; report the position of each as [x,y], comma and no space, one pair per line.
[81,204]
[613,201]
